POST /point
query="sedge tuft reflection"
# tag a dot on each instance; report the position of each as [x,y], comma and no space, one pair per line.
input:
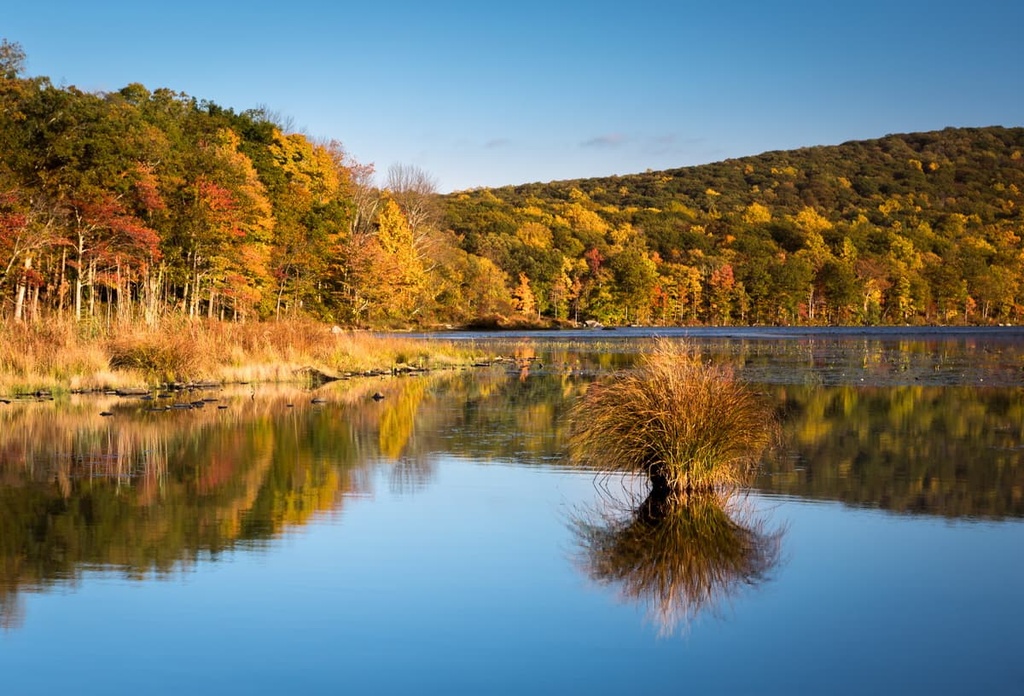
[678,556]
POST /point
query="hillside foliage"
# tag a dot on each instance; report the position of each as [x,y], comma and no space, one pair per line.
[135,205]
[919,228]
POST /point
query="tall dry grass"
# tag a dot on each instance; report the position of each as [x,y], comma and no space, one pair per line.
[64,355]
[51,355]
[688,425]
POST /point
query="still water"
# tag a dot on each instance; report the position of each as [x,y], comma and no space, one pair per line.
[434,541]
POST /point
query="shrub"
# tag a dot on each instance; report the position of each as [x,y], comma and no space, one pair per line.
[689,426]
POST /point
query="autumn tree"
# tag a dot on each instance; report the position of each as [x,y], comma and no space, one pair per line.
[525,302]
[415,192]
[309,212]
[386,279]
[635,277]
[465,287]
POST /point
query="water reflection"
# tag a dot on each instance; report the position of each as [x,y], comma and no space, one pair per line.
[677,558]
[951,451]
[155,488]
[147,492]
[928,356]
[924,426]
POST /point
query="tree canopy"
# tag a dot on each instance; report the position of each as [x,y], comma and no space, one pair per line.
[135,204]
[916,228]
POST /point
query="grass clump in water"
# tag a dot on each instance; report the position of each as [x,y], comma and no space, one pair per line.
[687,425]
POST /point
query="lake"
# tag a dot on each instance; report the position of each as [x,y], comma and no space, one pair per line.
[279,539]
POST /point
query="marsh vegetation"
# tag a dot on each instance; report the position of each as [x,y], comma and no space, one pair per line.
[688,425]
[72,356]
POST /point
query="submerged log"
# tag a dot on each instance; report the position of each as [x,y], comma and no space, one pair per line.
[132,391]
[317,376]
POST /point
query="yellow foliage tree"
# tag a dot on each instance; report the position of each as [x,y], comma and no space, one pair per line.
[310,167]
[757,214]
[582,219]
[810,220]
[386,277]
[535,235]
[525,302]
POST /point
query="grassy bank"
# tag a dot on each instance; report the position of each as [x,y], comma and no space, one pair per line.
[63,355]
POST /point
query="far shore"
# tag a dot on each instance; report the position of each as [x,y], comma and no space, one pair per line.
[56,356]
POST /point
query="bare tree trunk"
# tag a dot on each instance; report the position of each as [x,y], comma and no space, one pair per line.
[92,289]
[80,253]
[62,284]
[78,295]
[193,306]
[280,297]
[35,304]
[151,286]
[19,303]
[119,292]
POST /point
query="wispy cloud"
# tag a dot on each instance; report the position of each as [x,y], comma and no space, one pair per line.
[606,140]
[671,144]
[495,143]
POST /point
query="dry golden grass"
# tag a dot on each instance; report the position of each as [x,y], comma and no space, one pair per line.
[47,355]
[689,426]
[62,355]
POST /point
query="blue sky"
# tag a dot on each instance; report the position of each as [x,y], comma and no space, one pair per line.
[487,94]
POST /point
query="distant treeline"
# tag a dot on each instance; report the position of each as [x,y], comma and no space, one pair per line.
[920,228]
[138,204]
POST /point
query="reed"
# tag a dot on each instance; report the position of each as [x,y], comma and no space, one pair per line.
[162,356]
[689,426]
[64,355]
[49,355]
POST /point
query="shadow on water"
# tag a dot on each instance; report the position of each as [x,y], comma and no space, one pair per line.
[677,558]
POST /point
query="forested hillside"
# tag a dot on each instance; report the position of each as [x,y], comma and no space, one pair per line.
[912,228]
[134,205]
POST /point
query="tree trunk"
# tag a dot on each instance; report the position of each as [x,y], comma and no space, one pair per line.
[92,289]
[19,303]
[150,286]
[62,283]
[35,304]
[193,305]
[78,296]
[119,297]
[80,253]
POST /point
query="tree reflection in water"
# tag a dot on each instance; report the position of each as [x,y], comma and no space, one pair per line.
[677,557]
